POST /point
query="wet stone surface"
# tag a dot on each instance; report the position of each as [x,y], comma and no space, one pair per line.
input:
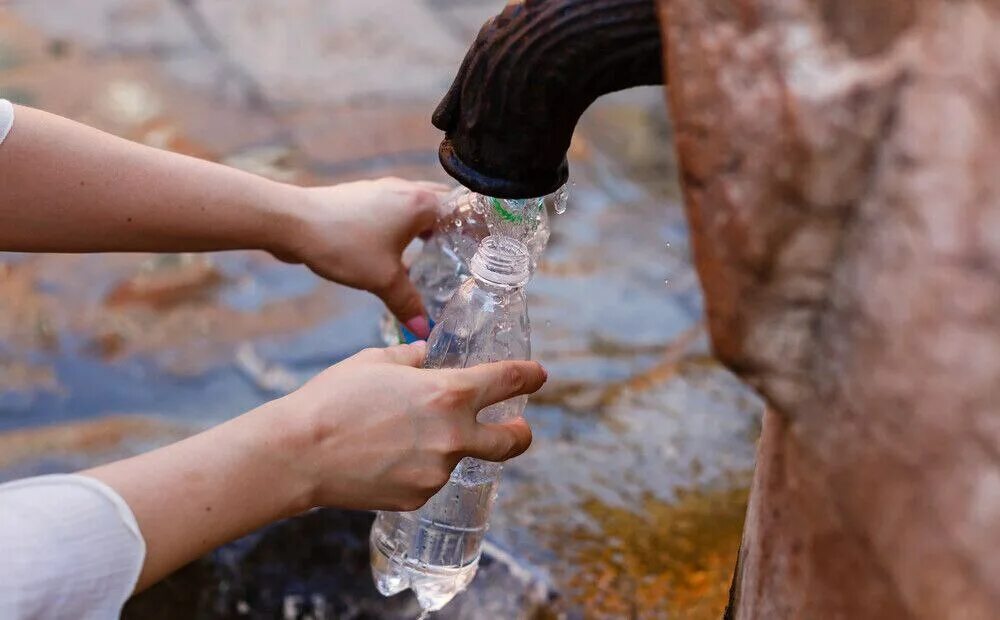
[273,574]
[629,503]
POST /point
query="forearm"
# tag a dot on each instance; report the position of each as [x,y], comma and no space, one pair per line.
[66,187]
[192,496]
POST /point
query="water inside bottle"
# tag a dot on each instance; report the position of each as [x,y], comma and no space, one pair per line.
[436,558]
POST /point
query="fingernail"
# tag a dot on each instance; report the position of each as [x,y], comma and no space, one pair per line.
[545,373]
[419,326]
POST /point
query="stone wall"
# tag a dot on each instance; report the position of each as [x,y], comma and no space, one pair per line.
[840,165]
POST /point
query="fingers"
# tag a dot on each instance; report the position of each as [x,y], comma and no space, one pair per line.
[403,300]
[502,380]
[425,215]
[422,207]
[406,354]
[433,186]
[425,198]
[499,442]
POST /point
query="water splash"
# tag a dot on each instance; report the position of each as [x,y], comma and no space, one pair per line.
[560,199]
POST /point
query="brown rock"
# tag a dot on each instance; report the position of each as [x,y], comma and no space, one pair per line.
[839,164]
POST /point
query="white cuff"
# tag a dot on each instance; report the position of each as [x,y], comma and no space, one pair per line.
[6,118]
[70,547]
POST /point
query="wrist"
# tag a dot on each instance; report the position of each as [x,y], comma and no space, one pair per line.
[282,210]
[279,446]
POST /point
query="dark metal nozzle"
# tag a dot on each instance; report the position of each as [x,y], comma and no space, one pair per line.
[509,115]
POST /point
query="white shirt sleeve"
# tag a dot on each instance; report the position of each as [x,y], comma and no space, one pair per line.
[6,118]
[70,548]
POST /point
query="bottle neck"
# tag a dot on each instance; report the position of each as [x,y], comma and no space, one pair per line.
[501,263]
[495,289]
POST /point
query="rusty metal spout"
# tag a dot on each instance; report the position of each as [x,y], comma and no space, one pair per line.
[530,74]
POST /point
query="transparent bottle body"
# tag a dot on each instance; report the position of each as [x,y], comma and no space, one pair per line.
[442,264]
[435,550]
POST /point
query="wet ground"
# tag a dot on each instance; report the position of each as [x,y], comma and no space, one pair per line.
[630,502]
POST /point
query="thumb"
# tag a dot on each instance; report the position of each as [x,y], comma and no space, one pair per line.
[403,300]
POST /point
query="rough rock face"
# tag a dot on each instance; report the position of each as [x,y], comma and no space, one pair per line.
[841,166]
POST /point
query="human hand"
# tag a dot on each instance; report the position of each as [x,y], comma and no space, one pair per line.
[374,431]
[378,432]
[355,234]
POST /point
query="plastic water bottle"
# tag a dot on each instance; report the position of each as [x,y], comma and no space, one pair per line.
[435,550]
[443,262]
[466,218]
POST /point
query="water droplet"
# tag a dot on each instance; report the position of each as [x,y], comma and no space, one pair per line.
[562,199]
[548,323]
[667,282]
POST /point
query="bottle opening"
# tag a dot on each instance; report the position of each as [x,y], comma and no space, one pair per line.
[501,260]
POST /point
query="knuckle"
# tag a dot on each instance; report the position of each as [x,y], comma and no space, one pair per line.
[369,354]
[446,444]
[452,397]
[420,198]
[442,479]
[437,391]
[454,443]
[434,480]
[409,504]
[513,379]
